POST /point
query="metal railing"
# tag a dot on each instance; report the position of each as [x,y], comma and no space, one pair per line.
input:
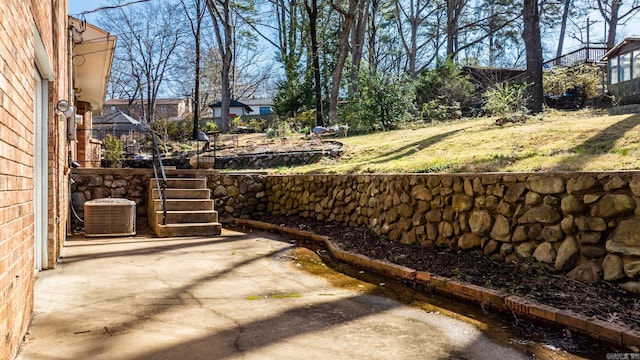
[580,56]
[161,183]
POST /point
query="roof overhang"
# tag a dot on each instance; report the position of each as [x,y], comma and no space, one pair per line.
[93,51]
[614,50]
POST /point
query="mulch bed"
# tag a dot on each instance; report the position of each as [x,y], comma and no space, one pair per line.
[529,279]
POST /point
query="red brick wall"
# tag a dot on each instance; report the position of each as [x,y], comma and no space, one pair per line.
[163,110]
[18,19]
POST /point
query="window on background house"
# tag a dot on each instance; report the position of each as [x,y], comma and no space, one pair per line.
[163,108]
[265,110]
[613,70]
[625,67]
[113,108]
[636,64]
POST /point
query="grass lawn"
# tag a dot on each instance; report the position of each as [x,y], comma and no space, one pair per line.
[555,141]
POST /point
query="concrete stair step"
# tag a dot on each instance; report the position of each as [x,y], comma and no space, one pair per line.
[190,209]
[182,183]
[183,194]
[185,204]
[192,229]
[188,217]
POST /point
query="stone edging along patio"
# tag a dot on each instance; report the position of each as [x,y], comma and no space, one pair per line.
[497,300]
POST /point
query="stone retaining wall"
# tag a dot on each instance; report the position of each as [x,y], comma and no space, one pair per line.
[267,160]
[274,160]
[235,195]
[584,224]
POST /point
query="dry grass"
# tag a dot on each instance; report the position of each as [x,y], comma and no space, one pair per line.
[556,141]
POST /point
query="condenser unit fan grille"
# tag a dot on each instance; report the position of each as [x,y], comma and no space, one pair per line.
[109,217]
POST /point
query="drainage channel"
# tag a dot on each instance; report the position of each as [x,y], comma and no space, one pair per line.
[536,341]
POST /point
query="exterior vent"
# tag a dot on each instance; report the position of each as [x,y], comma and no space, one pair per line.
[109,217]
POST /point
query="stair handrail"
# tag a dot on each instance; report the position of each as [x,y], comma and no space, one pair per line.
[161,183]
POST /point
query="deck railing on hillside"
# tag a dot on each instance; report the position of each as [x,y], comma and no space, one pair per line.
[581,56]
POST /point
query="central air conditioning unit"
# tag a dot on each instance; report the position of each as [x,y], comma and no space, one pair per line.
[109,217]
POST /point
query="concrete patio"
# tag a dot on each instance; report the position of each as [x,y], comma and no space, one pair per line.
[232,296]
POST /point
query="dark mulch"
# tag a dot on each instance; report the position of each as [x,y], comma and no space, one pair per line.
[529,279]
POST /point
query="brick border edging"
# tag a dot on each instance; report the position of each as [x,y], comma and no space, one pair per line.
[596,328]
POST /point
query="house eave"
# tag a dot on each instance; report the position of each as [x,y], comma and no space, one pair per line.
[614,50]
[93,53]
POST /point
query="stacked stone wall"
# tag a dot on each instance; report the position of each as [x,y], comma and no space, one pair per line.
[235,195]
[248,161]
[586,225]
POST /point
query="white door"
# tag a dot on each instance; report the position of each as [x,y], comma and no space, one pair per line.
[40,171]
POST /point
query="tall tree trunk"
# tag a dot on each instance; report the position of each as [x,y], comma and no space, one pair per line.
[312,11]
[563,28]
[454,9]
[373,33]
[198,36]
[196,95]
[357,41]
[613,24]
[226,70]
[533,46]
[223,29]
[343,51]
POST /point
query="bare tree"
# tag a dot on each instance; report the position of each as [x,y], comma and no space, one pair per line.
[249,79]
[147,40]
[413,19]
[220,11]
[610,11]
[211,70]
[196,19]
[312,12]
[124,82]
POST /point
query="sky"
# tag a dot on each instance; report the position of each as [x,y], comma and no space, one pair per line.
[631,28]
[78,6]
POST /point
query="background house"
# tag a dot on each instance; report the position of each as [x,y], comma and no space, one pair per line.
[248,109]
[259,106]
[116,122]
[236,108]
[38,143]
[623,62]
[171,109]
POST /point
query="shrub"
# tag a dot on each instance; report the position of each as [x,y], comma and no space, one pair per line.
[307,119]
[172,131]
[436,110]
[507,101]
[382,102]
[181,131]
[256,125]
[558,80]
[210,127]
[236,122]
[444,92]
[270,133]
[114,151]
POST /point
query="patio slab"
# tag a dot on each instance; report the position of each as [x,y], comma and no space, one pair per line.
[232,296]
